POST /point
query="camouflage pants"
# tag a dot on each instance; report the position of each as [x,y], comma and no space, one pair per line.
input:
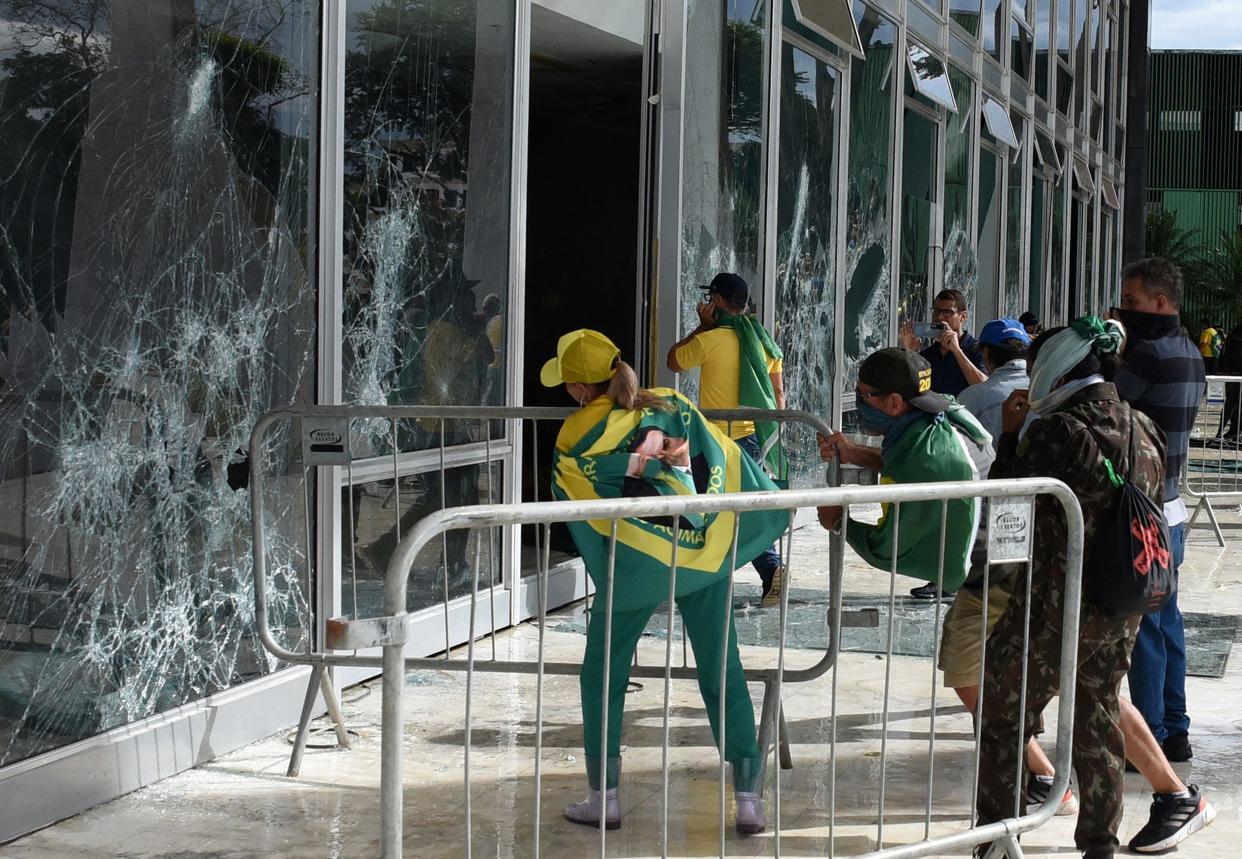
[1104,645]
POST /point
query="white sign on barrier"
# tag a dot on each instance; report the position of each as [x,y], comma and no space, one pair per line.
[1215,393]
[1010,529]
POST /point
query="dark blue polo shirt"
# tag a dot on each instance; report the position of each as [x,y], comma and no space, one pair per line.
[947,377]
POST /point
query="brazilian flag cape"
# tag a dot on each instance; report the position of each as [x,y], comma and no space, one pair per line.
[754,385]
[591,459]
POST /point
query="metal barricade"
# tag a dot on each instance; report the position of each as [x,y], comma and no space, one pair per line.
[1213,472]
[389,633]
[327,433]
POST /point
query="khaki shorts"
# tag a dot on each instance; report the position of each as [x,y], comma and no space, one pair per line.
[960,643]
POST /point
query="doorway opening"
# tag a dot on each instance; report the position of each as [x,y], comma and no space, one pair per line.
[584,194]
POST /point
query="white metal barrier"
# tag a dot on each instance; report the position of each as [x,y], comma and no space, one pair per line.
[389,633]
[1213,472]
[328,439]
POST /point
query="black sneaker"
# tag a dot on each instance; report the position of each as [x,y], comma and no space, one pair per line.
[1037,790]
[1173,820]
[772,588]
[928,592]
[1177,748]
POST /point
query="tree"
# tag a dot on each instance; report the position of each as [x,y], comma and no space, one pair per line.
[1164,238]
[1222,276]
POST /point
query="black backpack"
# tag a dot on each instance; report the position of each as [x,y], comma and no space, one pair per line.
[1131,569]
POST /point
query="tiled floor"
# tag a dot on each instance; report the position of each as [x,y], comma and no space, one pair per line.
[242,806]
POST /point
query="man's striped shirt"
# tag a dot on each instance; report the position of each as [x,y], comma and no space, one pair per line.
[1163,378]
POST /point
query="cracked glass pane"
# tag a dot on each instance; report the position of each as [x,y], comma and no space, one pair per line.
[722,193]
[918,216]
[805,274]
[157,247]
[428,87]
[868,279]
[961,266]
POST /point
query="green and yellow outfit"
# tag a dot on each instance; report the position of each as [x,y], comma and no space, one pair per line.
[591,460]
[926,448]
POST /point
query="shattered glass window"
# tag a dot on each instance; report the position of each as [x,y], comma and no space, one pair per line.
[868,210]
[961,268]
[722,190]
[918,216]
[427,150]
[428,127]
[805,271]
[157,248]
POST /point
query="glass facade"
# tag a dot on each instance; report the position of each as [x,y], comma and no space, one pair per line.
[158,235]
[805,324]
[961,265]
[212,209]
[868,212]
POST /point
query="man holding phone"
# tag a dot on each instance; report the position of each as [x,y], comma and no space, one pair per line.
[954,355]
[740,366]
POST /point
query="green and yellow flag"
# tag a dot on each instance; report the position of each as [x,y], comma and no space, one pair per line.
[593,456]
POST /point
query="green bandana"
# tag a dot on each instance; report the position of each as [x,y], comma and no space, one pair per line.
[754,387]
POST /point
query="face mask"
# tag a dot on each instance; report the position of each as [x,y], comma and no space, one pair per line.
[873,420]
[1145,325]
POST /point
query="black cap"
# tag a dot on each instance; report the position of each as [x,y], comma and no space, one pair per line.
[900,371]
[730,287]
[1028,318]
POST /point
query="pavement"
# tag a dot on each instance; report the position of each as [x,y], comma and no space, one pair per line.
[242,805]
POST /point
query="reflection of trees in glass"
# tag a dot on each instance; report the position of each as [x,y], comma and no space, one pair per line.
[153,245]
[723,167]
[918,181]
[410,83]
[868,270]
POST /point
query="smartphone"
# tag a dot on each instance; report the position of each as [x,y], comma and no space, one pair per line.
[928,329]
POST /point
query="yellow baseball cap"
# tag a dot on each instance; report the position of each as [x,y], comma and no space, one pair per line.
[581,356]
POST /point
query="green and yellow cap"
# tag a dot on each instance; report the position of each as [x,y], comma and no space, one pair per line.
[581,356]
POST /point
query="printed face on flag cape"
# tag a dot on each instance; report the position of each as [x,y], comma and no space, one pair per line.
[595,458]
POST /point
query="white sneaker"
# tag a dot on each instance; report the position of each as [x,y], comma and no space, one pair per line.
[750,819]
[587,812]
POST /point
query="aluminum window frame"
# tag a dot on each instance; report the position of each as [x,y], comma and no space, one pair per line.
[999,124]
[919,81]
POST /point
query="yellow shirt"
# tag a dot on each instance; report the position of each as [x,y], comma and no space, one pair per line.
[717,352]
[1205,342]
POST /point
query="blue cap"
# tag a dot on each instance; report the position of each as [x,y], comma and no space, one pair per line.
[996,332]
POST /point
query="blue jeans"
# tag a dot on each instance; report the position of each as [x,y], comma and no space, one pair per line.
[1158,662]
[767,562]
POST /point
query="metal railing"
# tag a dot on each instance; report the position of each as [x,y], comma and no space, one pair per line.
[389,633]
[328,434]
[1213,472]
